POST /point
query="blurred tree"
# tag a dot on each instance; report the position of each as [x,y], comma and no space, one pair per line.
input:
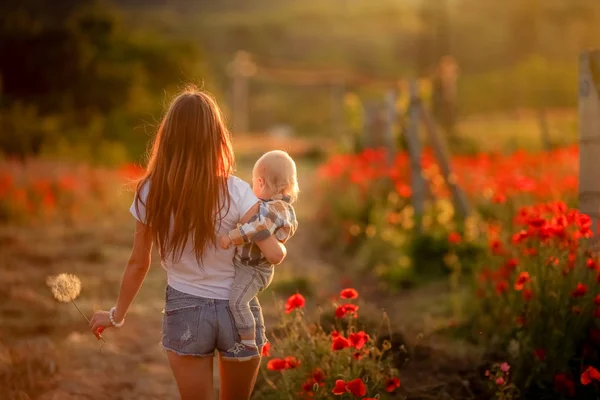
[76,60]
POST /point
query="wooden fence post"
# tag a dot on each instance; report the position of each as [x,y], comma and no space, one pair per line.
[542,117]
[390,139]
[589,136]
[337,109]
[417,181]
[369,123]
[443,157]
[241,68]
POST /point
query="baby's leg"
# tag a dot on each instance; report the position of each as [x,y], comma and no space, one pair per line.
[246,285]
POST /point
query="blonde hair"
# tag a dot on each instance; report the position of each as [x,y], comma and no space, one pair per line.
[278,171]
[190,162]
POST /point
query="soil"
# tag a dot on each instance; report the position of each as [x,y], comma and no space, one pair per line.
[47,353]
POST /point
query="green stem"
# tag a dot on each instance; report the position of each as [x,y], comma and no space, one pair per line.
[287,386]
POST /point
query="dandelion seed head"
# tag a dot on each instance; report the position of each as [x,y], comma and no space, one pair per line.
[65,287]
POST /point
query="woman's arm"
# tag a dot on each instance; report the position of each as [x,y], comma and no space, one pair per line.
[133,277]
[272,249]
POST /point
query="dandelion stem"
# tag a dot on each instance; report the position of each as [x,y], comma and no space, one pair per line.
[86,318]
[80,312]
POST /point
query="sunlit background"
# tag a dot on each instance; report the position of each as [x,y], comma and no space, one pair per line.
[420,129]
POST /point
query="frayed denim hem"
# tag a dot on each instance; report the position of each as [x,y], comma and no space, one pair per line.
[240,359]
[179,353]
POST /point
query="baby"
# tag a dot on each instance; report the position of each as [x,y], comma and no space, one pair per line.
[275,183]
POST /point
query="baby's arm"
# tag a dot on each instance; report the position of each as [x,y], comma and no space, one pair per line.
[259,227]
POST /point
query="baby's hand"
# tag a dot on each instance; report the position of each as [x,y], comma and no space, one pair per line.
[224,242]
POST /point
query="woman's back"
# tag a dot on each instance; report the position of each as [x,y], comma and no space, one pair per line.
[213,275]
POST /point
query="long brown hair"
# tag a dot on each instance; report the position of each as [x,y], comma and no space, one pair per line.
[190,161]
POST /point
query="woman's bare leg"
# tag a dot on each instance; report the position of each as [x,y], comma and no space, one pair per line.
[194,376]
[238,378]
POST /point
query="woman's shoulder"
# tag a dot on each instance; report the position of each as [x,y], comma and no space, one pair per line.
[241,194]
[238,186]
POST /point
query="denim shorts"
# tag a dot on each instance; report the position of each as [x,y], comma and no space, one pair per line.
[197,326]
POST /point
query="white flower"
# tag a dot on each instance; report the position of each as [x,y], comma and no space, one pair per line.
[65,287]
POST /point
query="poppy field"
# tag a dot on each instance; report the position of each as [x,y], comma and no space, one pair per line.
[522,269]
[522,286]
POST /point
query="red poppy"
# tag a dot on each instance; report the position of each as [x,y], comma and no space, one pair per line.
[340,343]
[49,200]
[592,264]
[499,198]
[276,364]
[580,290]
[540,354]
[519,237]
[318,375]
[349,293]
[454,238]
[527,294]
[346,310]
[265,350]
[358,339]
[308,387]
[511,264]
[589,375]
[334,334]
[340,387]
[520,321]
[67,183]
[404,190]
[501,287]
[554,261]
[392,384]
[293,302]
[357,387]
[357,355]
[522,280]
[564,385]
[597,313]
[597,300]
[291,362]
[496,247]
[536,222]
[99,331]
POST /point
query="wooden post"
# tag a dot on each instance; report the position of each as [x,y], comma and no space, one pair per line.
[414,150]
[443,157]
[241,68]
[368,123]
[337,109]
[542,116]
[589,136]
[448,76]
[390,137]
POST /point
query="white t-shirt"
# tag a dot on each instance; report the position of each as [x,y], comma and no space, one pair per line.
[214,277]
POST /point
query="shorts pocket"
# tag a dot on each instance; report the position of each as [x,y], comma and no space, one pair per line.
[180,326]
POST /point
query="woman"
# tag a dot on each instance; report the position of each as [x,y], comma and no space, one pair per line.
[187,198]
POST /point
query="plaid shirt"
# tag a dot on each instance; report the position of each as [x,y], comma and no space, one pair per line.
[275,217]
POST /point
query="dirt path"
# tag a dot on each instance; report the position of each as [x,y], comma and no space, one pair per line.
[46,352]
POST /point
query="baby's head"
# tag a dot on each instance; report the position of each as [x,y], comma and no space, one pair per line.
[275,173]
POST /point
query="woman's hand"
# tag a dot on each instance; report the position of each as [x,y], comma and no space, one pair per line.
[99,322]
